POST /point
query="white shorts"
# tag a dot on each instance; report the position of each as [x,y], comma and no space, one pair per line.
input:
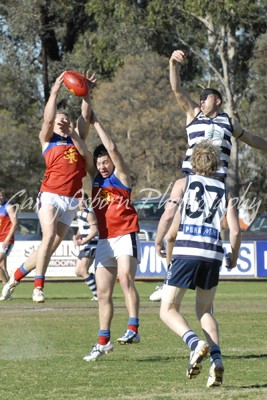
[91,269]
[6,250]
[109,250]
[66,206]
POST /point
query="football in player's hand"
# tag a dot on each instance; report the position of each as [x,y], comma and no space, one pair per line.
[75,83]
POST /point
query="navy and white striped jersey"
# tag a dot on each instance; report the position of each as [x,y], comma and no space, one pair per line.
[203,207]
[84,228]
[218,129]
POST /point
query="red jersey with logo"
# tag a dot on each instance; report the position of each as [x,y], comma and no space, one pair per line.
[65,168]
[111,201]
[5,224]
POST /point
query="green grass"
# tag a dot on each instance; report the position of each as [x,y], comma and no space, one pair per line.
[42,346]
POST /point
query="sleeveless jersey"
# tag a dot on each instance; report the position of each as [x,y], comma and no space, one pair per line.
[65,168]
[111,201]
[84,228]
[219,129]
[203,207]
[5,223]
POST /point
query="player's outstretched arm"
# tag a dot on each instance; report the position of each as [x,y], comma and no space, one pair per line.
[184,101]
[167,217]
[121,168]
[83,122]
[171,236]
[252,140]
[235,232]
[85,153]
[50,111]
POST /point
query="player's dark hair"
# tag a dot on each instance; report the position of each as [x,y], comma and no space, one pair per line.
[63,112]
[208,91]
[100,151]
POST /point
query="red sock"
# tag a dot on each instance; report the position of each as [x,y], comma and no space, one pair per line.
[103,340]
[133,328]
[39,282]
[18,275]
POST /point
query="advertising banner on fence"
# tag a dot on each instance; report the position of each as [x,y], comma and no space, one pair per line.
[63,261]
[152,266]
[261,249]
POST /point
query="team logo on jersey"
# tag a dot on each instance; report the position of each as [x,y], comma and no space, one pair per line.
[105,197]
[168,275]
[200,230]
[61,143]
[214,133]
[71,155]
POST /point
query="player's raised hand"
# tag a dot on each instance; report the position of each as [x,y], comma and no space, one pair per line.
[178,56]
[91,79]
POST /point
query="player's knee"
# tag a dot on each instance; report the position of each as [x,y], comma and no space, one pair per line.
[126,282]
[163,312]
[203,312]
[48,240]
[78,271]
[104,296]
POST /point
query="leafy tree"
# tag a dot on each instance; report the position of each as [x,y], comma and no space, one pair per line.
[116,31]
[40,32]
[43,37]
[33,40]
[254,163]
[221,35]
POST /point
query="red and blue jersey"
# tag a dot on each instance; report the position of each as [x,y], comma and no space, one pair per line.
[5,223]
[65,168]
[111,201]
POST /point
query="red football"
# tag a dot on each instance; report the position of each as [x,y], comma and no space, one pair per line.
[75,83]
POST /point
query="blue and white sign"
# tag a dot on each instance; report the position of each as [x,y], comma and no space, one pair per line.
[151,265]
[246,263]
[252,261]
[261,248]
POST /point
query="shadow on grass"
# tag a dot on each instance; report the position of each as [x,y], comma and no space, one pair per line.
[157,359]
[249,356]
[254,386]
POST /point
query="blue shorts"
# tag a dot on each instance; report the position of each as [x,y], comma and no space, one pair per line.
[88,252]
[190,273]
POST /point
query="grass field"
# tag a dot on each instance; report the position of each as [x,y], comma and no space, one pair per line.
[42,346]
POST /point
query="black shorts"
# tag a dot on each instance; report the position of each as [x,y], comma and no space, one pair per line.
[88,252]
[190,273]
